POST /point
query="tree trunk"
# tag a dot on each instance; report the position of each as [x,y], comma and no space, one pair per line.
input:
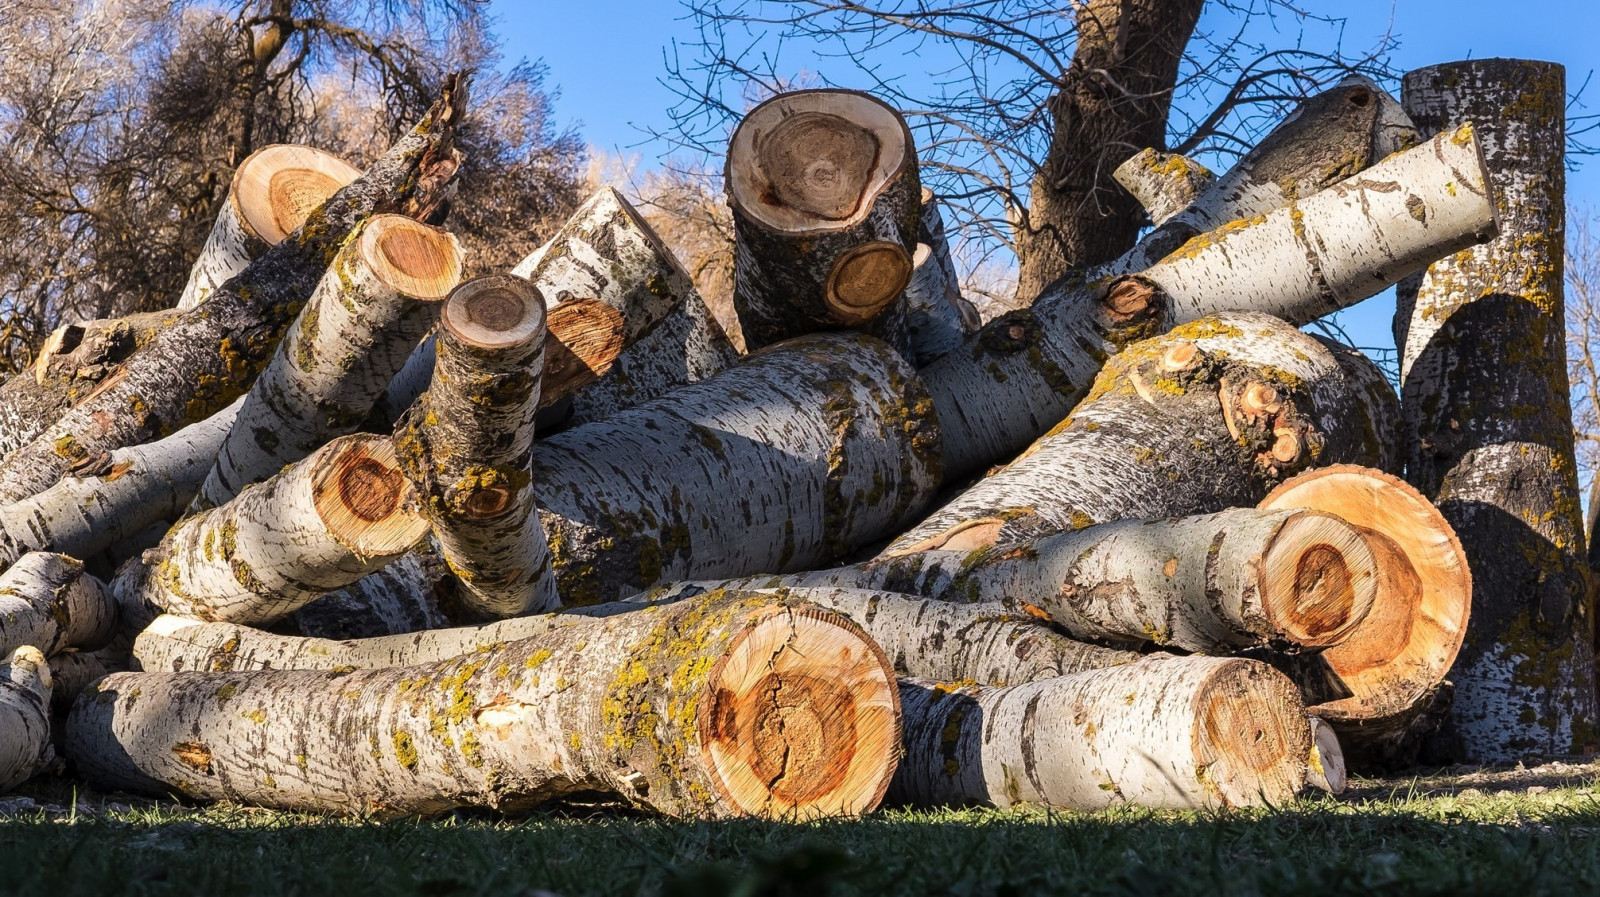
[1210,416]
[727,706]
[74,360]
[1393,665]
[1163,183]
[825,199]
[1168,732]
[466,444]
[1300,262]
[938,320]
[797,456]
[117,496]
[47,601]
[194,367]
[1112,99]
[24,717]
[607,252]
[1489,436]
[378,299]
[320,524]
[274,190]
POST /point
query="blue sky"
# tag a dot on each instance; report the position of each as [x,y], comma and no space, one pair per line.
[605,56]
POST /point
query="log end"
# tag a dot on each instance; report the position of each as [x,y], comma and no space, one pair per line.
[363,497]
[1326,769]
[865,280]
[1251,736]
[277,187]
[585,338]
[409,257]
[499,311]
[1318,579]
[1407,642]
[801,718]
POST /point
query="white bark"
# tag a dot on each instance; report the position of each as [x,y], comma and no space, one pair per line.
[1166,732]
[1164,183]
[937,318]
[272,192]
[401,597]
[47,601]
[24,717]
[320,524]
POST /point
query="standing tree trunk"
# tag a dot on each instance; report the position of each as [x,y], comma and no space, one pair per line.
[732,705]
[272,193]
[466,444]
[1111,101]
[825,198]
[378,299]
[1488,434]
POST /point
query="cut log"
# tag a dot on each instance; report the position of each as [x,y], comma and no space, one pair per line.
[1488,435]
[25,746]
[1395,661]
[937,318]
[205,359]
[1209,584]
[273,191]
[1300,262]
[1212,415]
[825,199]
[728,706]
[320,524]
[1164,183]
[378,299]
[1326,769]
[116,496]
[47,601]
[405,596]
[74,359]
[797,456]
[1172,732]
[71,673]
[466,444]
[607,252]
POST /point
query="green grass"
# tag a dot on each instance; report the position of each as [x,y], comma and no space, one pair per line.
[1387,839]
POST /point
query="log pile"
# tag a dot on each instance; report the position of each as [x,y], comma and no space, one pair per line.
[345,532]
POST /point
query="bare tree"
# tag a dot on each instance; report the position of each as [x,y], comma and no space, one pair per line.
[1030,106]
[1583,342]
[124,122]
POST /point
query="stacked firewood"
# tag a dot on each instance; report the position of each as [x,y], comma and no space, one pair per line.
[345,532]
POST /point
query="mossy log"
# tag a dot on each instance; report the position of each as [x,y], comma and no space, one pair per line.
[466,443]
[728,706]
[25,745]
[377,300]
[320,524]
[606,252]
[825,199]
[1488,436]
[796,456]
[1166,732]
[1212,415]
[208,356]
[117,496]
[938,320]
[49,602]
[1023,372]
[273,191]
[73,361]
[1163,183]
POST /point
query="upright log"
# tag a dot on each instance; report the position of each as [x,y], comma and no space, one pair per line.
[937,318]
[825,199]
[203,360]
[729,706]
[273,191]
[1485,398]
[607,253]
[1212,415]
[24,716]
[47,601]
[1172,732]
[320,524]
[378,299]
[466,444]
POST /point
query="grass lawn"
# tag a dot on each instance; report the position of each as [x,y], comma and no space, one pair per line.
[1518,832]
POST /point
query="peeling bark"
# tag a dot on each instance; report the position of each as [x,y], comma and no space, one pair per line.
[1488,435]
[727,706]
